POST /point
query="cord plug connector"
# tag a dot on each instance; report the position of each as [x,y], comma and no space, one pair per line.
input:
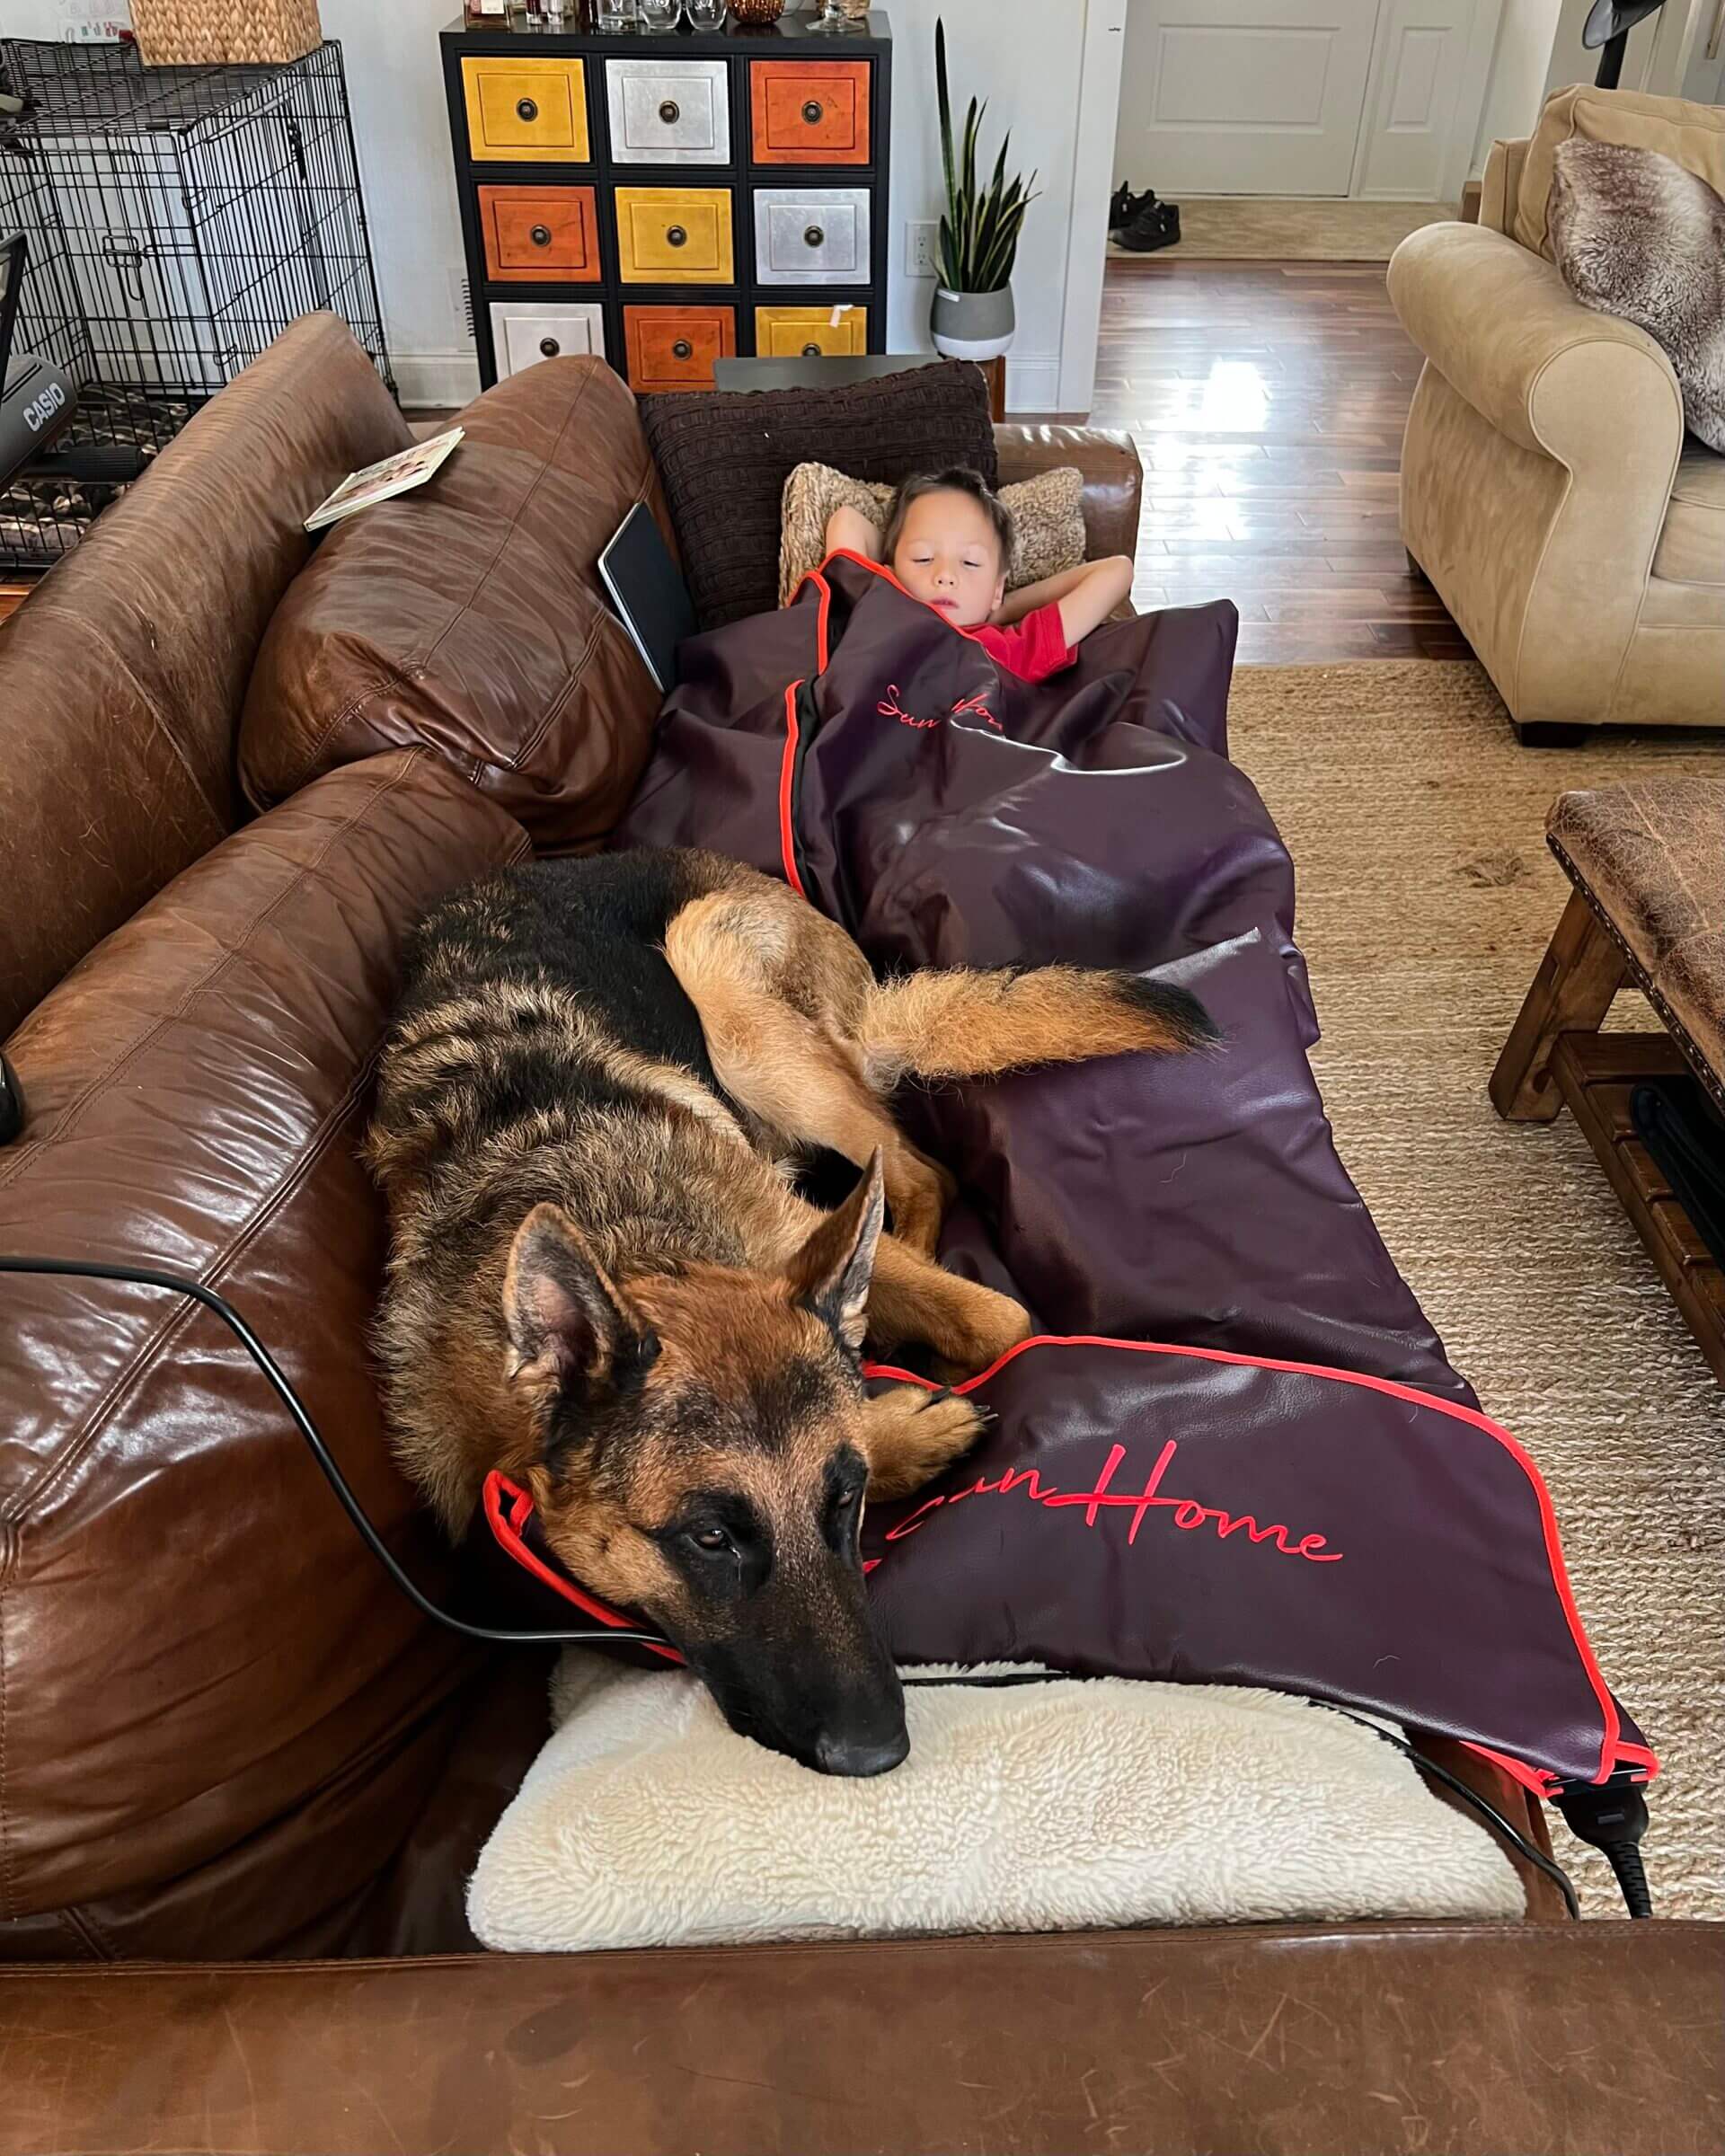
[1613,1816]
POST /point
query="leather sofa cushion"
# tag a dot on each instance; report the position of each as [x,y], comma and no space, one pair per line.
[1692,135]
[468,615]
[1692,546]
[121,679]
[1652,857]
[724,456]
[220,1718]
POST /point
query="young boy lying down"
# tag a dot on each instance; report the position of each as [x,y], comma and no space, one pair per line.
[949,541]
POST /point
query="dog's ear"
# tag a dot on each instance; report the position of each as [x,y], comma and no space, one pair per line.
[831,1270]
[566,1321]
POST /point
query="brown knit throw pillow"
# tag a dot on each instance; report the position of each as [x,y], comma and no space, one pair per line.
[724,456]
[1047,518]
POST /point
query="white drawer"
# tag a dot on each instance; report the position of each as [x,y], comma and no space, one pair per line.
[811,235]
[669,111]
[527,330]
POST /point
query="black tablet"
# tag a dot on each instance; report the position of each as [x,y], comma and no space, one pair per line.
[649,594]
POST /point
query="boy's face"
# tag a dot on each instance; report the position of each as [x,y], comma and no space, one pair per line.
[949,556]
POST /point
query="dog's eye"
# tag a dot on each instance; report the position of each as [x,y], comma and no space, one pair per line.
[714,1540]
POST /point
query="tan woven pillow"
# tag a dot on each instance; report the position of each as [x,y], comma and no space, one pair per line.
[1047,512]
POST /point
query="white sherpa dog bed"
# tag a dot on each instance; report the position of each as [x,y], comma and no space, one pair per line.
[1039,1808]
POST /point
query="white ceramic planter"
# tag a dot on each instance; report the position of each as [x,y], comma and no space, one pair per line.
[973,325]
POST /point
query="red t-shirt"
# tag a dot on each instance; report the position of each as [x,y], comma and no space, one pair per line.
[1032,648]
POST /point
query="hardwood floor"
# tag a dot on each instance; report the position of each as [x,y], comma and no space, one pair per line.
[1267,401]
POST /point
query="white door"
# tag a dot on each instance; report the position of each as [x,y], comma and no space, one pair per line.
[1411,130]
[1243,97]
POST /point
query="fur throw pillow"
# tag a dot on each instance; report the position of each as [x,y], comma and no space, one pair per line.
[1047,512]
[1637,236]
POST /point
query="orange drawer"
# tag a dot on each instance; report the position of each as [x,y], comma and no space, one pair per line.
[675,347]
[811,111]
[545,235]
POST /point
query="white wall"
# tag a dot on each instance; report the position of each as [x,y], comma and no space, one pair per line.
[1026,56]
[1516,87]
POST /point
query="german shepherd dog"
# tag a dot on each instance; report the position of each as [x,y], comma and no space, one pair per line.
[598,1086]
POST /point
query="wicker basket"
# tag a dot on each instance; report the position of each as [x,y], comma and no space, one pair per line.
[203,33]
[755,13]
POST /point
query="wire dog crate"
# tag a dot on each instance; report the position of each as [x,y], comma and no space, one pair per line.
[179,219]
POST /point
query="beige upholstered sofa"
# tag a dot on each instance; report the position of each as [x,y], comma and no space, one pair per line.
[1548,487]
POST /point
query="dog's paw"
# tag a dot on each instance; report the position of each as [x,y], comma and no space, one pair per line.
[913,1434]
[991,1326]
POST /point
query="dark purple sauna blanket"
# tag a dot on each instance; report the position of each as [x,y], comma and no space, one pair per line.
[1237,1454]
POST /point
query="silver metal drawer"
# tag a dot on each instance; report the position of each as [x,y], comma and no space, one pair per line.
[669,111]
[527,330]
[811,235]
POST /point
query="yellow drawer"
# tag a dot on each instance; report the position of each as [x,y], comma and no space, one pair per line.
[527,111]
[800,333]
[675,235]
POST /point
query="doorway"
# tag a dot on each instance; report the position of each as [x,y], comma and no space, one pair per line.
[1377,99]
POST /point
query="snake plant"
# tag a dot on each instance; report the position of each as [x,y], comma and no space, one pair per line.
[979,230]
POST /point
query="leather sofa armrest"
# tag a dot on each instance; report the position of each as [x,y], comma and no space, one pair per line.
[1595,394]
[1501,184]
[1113,477]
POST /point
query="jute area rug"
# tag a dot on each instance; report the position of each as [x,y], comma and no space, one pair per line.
[1426,898]
[1252,228]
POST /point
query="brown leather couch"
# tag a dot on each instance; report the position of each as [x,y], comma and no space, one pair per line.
[241,1780]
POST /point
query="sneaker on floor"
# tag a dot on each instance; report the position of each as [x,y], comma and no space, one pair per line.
[1156,225]
[1125,204]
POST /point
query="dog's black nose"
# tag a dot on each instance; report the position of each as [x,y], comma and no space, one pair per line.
[870,1755]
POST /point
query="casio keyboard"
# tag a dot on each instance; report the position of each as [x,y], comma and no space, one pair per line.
[36,398]
[36,401]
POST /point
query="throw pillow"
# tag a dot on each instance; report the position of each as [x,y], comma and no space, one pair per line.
[724,456]
[469,615]
[1637,236]
[1694,135]
[1047,518]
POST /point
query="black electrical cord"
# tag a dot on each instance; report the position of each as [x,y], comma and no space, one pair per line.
[135,1276]
[1536,1857]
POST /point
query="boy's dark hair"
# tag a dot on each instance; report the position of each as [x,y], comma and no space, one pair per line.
[957,478]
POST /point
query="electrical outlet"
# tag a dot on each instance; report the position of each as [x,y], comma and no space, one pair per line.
[923,247]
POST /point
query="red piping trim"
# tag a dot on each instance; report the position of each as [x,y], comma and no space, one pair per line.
[508,1531]
[1611,1750]
[787,778]
[1539,1779]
